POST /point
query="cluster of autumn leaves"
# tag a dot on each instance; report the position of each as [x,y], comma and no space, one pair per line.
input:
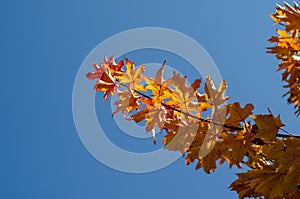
[288,50]
[205,128]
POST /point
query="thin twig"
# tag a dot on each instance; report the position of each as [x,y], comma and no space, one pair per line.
[290,134]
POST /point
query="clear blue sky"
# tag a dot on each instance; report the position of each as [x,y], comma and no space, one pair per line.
[42,46]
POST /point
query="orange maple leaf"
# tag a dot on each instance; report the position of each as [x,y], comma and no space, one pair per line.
[153,114]
[268,126]
[279,179]
[180,136]
[128,102]
[238,114]
[208,162]
[115,69]
[288,50]
[238,144]
[288,14]
[106,84]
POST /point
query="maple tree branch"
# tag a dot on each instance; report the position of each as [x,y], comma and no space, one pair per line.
[286,136]
[206,120]
[241,143]
[202,119]
[290,134]
[185,113]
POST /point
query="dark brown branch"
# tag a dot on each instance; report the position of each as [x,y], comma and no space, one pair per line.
[286,136]
[290,134]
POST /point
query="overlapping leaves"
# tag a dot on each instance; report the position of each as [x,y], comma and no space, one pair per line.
[230,133]
[288,50]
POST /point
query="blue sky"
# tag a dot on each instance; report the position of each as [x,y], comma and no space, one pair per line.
[43,44]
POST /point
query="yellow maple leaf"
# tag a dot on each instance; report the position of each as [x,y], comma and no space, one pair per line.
[287,45]
[184,97]
[133,77]
[159,87]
